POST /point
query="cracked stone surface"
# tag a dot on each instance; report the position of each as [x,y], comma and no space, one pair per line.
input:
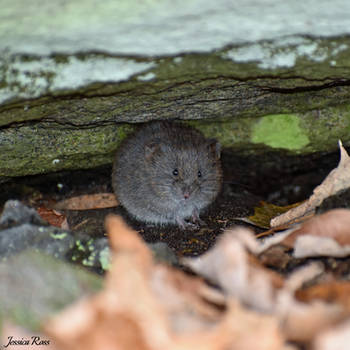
[259,76]
[147,28]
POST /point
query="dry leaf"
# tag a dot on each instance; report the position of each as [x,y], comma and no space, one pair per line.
[303,275]
[88,201]
[337,180]
[264,213]
[125,315]
[230,266]
[323,235]
[331,292]
[152,306]
[249,330]
[276,256]
[291,224]
[310,246]
[337,338]
[333,224]
[301,321]
[304,321]
[53,217]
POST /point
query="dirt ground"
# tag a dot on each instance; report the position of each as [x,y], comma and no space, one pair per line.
[246,182]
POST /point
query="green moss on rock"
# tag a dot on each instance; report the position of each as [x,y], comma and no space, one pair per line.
[297,133]
[44,148]
[280,131]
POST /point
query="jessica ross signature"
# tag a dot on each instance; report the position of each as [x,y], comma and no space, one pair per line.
[34,340]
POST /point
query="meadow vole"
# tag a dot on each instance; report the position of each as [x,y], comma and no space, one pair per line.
[167,172]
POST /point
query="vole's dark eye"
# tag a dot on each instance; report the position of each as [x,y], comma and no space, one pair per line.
[175,172]
[199,173]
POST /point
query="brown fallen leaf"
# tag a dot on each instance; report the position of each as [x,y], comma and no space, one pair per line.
[53,217]
[265,212]
[125,315]
[230,266]
[300,321]
[333,224]
[305,321]
[290,224]
[327,234]
[88,201]
[331,292]
[276,256]
[152,306]
[249,330]
[337,180]
[337,338]
[308,246]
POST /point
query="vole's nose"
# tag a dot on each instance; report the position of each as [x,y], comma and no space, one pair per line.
[186,195]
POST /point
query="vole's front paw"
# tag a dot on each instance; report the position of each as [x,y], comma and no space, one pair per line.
[194,225]
[197,220]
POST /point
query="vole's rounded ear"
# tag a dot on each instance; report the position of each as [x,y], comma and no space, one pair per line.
[214,148]
[151,149]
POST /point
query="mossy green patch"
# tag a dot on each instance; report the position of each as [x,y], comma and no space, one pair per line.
[89,261]
[58,235]
[280,131]
[79,245]
[105,259]
[48,147]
